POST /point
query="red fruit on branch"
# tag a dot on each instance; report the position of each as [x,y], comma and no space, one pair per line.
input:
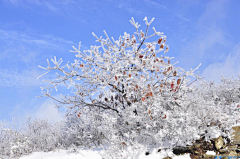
[162,46]
[175,73]
[172,85]
[147,94]
[151,117]
[160,40]
[123,143]
[178,81]
[150,94]
[164,40]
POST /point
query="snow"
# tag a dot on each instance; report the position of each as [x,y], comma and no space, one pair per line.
[95,154]
[211,153]
[63,154]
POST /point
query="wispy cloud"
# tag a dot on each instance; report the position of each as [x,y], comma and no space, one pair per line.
[209,40]
[230,66]
[51,4]
[46,41]
[48,110]
[45,110]
[26,48]
[160,6]
[203,47]
[130,9]
[60,7]
[21,53]
[23,79]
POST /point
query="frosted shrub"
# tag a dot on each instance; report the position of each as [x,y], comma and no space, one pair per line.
[42,135]
[127,92]
[36,135]
[6,138]
[222,101]
[81,133]
[12,141]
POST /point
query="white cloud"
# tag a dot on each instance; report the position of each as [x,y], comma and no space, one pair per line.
[213,15]
[25,78]
[57,7]
[46,41]
[229,67]
[21,53]
[48,111]
[204,47]
[209,39]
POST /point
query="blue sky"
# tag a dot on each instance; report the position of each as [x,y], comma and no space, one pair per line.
[198,31]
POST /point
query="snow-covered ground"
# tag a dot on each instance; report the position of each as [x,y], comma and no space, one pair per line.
[95,154]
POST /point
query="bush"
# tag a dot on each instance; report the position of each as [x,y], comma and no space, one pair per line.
[36,135]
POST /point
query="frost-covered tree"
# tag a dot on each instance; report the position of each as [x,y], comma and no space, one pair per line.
[127,91]
[221,101]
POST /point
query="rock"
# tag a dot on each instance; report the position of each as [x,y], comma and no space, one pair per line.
[167,158]
[236,135]
[194,156]
[197,146]
[147,153]
[207,146]
[181,150]
[222,151]
[232,153]
[196,152]
[224,156]
[237,150]
[213,124]
[219,142]
[232,148]
[209,156]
